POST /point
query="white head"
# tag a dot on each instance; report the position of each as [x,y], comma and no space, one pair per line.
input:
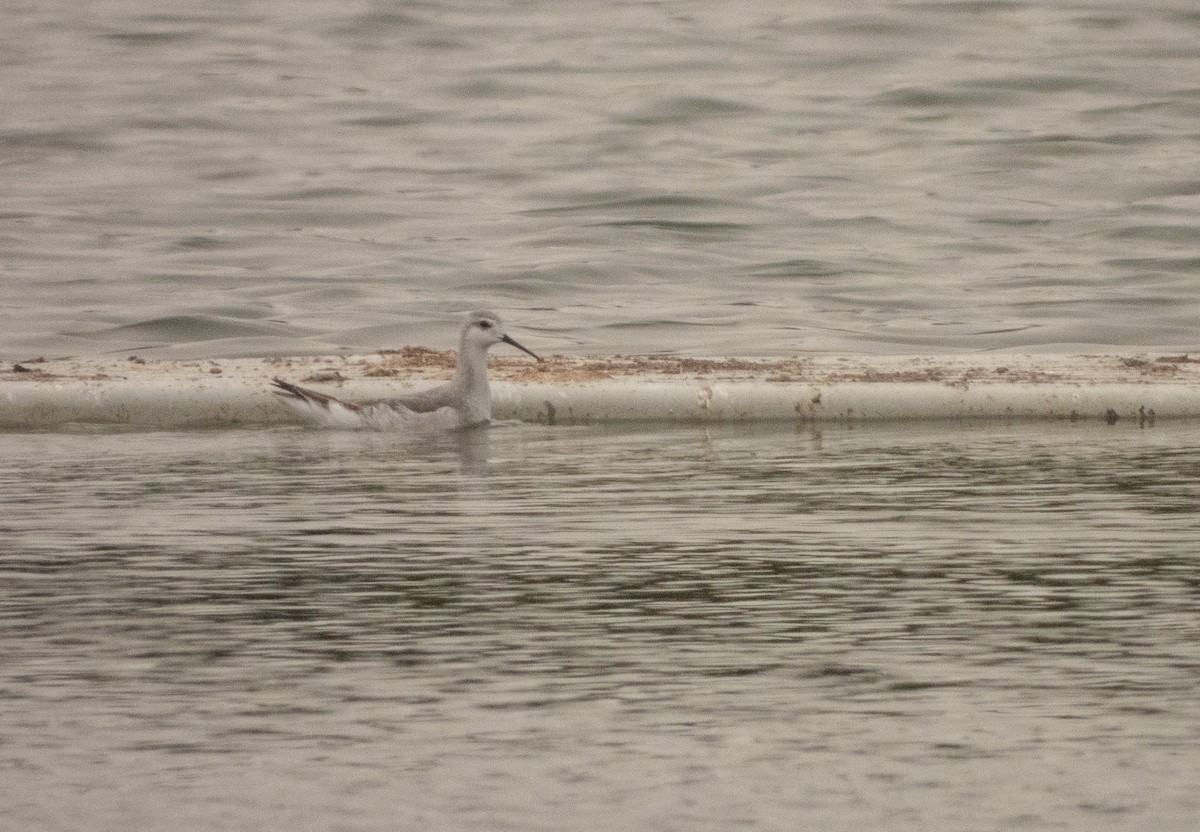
[482,329]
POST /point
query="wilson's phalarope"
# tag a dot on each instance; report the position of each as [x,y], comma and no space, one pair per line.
[464,402]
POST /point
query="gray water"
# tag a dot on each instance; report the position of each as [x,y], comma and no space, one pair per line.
[905,628]
[584,629]
[705,177]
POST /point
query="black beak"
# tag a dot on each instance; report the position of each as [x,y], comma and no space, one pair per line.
[506,339]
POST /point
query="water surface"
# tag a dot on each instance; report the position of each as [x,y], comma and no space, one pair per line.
[587,628]
[702,178]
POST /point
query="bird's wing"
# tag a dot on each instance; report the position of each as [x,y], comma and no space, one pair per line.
[425,401]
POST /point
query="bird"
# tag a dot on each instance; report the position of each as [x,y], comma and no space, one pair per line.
[462,403]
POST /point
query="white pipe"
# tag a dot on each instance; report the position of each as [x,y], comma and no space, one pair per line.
[166,394]
[615,401]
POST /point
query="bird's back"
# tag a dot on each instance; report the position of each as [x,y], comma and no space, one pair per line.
[424,401]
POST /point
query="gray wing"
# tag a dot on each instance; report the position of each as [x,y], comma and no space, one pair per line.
[425,401]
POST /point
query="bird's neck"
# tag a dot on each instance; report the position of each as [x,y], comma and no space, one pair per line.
[472,368]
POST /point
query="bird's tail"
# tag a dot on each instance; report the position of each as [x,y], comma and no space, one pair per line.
[318,407]
[296,393]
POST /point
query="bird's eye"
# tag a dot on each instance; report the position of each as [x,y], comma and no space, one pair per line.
[485,324]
